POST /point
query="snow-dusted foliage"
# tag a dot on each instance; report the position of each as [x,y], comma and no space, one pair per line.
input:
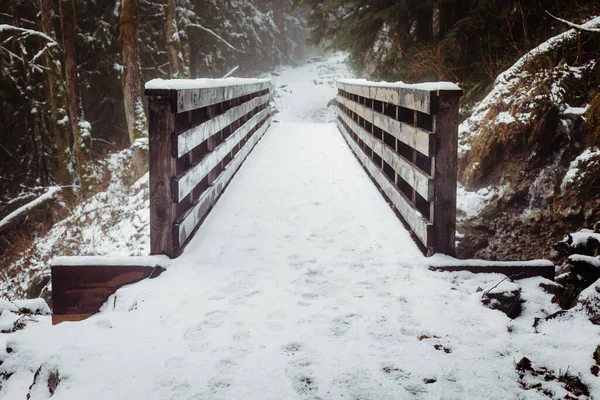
[113,222]
[528,104]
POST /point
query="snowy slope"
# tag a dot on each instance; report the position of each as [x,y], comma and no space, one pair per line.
[301,284]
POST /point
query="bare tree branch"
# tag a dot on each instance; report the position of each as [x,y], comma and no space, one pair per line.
[215,35]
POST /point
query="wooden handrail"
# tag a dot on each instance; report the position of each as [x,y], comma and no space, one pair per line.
[406,137]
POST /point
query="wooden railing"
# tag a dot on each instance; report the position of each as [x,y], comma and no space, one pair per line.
[199,137]
[406,137]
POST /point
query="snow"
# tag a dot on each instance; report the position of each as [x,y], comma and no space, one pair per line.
[113,261]
[301,283]
[302,94]
[50,193]
[471,203]
[179,84]
[440,260]
[429,86]
[595,261]
[578,111]
[33,306]
[573,171]
[580,238]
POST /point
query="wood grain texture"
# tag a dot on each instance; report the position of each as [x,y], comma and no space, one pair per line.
[193,137]
[162,171]
[444,170]
[190,222]
[190,99]
[414,99]
[58,318]
[83,289]
[419,139]
[184,185]
[415,220]
[419,180]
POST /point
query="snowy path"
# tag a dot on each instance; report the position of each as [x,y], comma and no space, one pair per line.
[301,284]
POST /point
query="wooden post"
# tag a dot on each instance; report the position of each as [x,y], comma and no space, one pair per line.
[444,171]
[162,171]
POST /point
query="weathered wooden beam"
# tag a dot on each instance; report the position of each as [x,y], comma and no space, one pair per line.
[81,285]
[420,226]
[417,138]
[193,137]
[444,169]
[191,220]
[162,171]
[183,185]
[190,99]
[513,269]
[418,179]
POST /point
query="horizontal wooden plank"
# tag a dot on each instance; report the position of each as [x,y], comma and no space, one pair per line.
[419,180]
[193,137]
[191,99]
[83,289]
[190,221]
[417,222]
[516,269]
[184,185]
[417,138]
[414,99]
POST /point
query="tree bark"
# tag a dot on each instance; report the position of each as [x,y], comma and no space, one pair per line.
[137,124]
[82,137]
[56,97]
[279,16]
[177,66]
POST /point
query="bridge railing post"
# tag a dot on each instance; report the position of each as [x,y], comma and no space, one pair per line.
[445,169]
[406,137]
[161,172]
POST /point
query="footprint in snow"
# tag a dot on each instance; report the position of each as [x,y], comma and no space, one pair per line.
[341,325]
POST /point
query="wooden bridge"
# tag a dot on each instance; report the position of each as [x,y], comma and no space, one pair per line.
[404,137]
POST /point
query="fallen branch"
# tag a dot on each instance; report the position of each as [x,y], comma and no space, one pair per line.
[49,195]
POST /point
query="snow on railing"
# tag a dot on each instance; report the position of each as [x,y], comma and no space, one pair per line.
[201,131]
[406,137]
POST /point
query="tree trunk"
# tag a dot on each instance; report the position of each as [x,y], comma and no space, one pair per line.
[177,66]
[39,159]
[137,124]
[82,137]
[279,16]
[56,97]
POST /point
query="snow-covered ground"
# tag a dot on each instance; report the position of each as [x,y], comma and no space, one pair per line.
[301,284]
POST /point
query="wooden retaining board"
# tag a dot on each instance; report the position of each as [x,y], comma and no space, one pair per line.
[515,270]
[418,179]
[79,291]
[419,139]
[191,220]
[420,226]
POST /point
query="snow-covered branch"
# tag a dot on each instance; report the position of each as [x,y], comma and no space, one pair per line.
[27,32]
[215,35]
[575,26]
[32,204]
